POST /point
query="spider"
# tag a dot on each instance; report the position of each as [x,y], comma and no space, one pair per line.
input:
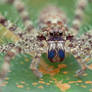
[54,38]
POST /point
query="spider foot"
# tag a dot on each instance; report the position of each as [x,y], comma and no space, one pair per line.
[37,73]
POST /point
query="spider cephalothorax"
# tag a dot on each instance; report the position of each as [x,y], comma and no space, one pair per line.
[54,37]
[53,22]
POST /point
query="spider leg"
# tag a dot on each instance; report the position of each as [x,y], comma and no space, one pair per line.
[10,26]
[37,58]
[9,48]
[35,47]
[6,65]
[73,49]
[40,47]
[11,51]
[19,5]
[34,65]
[79,12]
[80,61]
[81,49]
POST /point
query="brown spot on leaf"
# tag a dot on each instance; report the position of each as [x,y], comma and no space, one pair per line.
[88,82]
[41,87]
[62,86]
[19,86]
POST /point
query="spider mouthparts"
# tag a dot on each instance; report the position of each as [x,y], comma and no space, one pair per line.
[56,56]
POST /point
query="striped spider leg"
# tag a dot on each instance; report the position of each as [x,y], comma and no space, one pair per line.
[76,44]
[79,12]
[36,60]
[35,46]
[11,50]
[25,40]
[81,49]
[10,26]
[19,5]
[22,46]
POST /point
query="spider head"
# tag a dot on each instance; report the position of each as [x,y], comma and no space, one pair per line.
[55,28]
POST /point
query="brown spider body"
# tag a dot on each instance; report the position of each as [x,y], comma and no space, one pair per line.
[53,22]
[55,38]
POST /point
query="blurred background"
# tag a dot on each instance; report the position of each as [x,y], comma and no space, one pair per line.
[20,78]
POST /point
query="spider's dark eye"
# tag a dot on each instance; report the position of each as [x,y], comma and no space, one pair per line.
[51,34]
[60,34]
[59,23]
[11,44]
[48,22]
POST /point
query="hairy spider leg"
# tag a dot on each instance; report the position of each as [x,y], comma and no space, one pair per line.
[19,5]
[6,65]
[79,12]
[34,65]
[81,49]
[10,26]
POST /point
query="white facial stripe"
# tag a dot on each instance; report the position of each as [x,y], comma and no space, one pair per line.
[60,45]
[52,45]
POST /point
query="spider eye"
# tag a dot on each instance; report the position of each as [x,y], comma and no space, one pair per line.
[48,22]
[59,23]
[11,44]
[60,33]
[51,34]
